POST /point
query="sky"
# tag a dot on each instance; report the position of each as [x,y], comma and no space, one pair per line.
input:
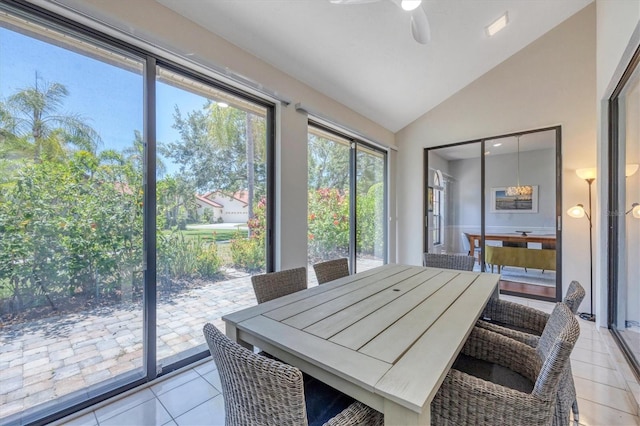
[108,98]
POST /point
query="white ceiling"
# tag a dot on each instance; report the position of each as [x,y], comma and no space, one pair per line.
[364,56]
[506,145]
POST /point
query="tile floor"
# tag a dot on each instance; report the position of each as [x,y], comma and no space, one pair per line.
[608,393]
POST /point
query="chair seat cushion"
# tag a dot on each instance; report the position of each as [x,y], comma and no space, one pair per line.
[493,373]
[322,401]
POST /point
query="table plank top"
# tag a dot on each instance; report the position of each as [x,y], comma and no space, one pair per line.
[394,330]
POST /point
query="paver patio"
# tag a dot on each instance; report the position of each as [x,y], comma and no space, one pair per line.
[51,357]
[44,359]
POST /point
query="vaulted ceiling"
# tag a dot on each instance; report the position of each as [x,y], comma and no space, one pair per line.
[363,55]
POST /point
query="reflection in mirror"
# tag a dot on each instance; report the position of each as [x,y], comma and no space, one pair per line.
[520,225]
[520,204]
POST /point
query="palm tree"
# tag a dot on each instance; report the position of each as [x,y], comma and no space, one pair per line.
[34,117]
[135,155]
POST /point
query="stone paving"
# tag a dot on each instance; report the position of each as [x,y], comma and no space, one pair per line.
[48,358]
[44,359]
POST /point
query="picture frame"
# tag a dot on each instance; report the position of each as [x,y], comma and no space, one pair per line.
[430,199]
[502,203]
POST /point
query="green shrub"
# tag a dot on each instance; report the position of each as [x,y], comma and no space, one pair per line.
[69,229]
[186,258]
[208,261]
[328,224]
[249,253]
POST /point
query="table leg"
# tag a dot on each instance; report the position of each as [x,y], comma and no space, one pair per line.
[232,333]
[396,415]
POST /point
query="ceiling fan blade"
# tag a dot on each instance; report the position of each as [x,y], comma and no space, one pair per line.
[352,1]
[420,28]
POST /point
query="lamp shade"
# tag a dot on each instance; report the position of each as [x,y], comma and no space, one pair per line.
[576,211]
[635,210]
[630,169]
[589,173]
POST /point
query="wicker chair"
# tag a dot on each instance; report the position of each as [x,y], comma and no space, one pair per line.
[464,399]
[331,270]
[277,284]
[263,391]
[505,314]
[460,262]
[526,324]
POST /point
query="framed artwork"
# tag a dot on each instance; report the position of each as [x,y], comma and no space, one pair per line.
[503,203]
[430,199]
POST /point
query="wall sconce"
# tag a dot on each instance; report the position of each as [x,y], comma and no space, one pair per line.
[578,212]
[634,210]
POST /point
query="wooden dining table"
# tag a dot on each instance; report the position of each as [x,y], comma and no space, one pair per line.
[386,336]
[516,237]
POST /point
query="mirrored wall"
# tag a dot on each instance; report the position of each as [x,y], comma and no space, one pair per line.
[497,199]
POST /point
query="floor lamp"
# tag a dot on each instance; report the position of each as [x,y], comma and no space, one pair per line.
[577,212]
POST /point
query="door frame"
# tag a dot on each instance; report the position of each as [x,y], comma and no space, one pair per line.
[558,186]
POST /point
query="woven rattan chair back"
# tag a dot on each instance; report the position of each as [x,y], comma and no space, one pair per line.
[257,390]
[331,270]
[554,348]
[277,284]
[574,297]
[448,261]
[263,391]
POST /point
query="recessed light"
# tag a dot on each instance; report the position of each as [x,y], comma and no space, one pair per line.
[223,104]
[410,4]
[497,144]
[498,24]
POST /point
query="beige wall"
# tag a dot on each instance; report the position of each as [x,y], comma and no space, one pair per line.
[552,81]
[152,22]
[618,35]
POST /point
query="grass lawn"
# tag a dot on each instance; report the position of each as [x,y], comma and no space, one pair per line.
[216,235]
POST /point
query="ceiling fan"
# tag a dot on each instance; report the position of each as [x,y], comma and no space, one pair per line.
[419,23]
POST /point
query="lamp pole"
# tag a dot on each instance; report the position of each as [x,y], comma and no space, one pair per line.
[590,316]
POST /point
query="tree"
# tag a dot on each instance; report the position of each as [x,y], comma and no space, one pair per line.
[221,148]
[32,121]
[135,155]
[328,164]
[173,194]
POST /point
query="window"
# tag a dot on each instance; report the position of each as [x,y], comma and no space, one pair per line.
[438,213]
[125,224]
[340,224]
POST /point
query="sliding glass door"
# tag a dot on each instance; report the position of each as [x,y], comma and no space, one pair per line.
[135,203]
[211,211]
[624,222]
[341,224]
[71,222]
[370,207]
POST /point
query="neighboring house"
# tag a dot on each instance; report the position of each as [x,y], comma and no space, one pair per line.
[221,207]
